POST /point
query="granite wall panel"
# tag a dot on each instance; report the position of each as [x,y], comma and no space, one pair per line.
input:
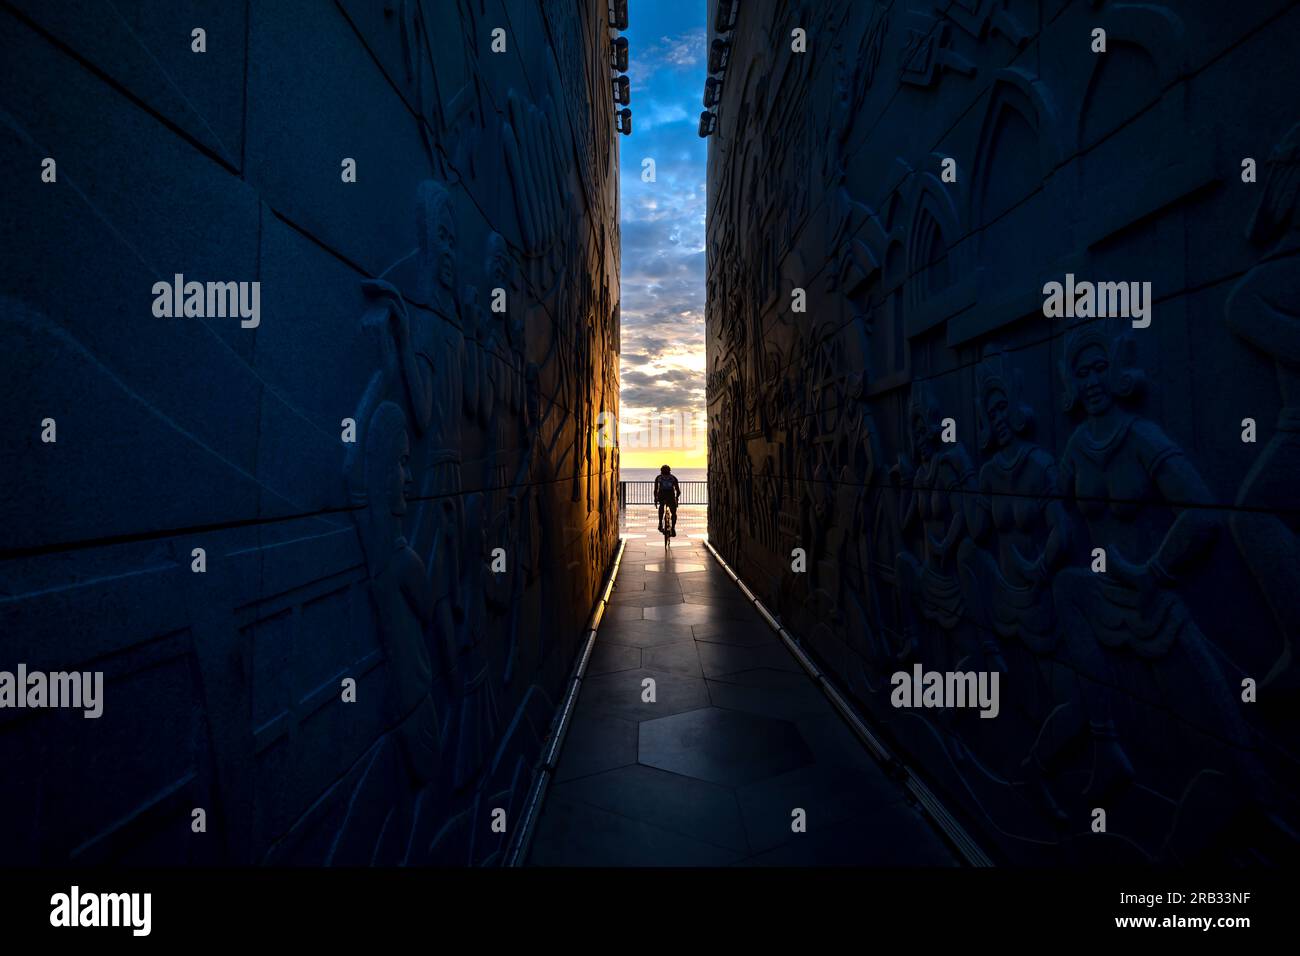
[347,464]
[925,302]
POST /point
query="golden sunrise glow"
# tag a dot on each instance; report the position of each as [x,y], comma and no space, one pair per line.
[654,457]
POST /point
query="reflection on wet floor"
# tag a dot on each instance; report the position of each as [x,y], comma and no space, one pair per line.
[642,521]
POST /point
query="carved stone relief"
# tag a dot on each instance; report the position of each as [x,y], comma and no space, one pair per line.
[402,493]
[974,549]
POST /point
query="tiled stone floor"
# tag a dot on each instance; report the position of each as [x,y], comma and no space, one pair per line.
[737,738]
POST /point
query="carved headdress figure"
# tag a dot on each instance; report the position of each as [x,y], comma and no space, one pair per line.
[1125,476]
[1264,311]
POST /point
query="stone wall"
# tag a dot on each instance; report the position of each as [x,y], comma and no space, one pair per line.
[949,458]
[348,460]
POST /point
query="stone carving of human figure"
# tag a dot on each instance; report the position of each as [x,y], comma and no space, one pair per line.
[442,390]
[931,495]
[501,401]
[1264,310]
[424,368]
[1115,467]
[399,589]
[1019,515]
[533,477]
[478,722]
[582,408]
[525,520]
[860,505]
[503,342]
[811,490]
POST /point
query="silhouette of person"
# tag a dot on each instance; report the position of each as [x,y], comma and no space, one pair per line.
[667,493]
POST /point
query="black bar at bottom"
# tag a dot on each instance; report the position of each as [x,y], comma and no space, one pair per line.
[480,906]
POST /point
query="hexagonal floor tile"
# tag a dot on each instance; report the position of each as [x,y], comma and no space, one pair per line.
[765,678]
[643,633]
[679,658]
[623,612]
[662,584]
[694,808]
[593,746]
[744,633]
[722,746]
[709,585]
[644,598]
[571,833]
[698,613]
[619,695]
[721,659]
[606,658]
[709,597]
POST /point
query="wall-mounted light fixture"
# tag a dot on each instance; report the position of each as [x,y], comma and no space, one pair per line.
[724,18]
[618,14]
[719,55]
[712,91]
[724,21]
[620,86]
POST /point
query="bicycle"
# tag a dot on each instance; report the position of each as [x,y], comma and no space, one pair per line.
[664,528]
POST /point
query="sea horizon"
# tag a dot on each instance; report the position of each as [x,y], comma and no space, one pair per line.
[648,474]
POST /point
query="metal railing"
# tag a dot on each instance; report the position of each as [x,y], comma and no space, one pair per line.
[643,493]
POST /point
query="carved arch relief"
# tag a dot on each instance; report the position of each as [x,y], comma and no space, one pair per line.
[1135,78]
[1153,34]
[938,284]
[1017,100]
[1021,148]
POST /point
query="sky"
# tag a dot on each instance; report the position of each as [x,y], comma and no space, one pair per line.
[663,237]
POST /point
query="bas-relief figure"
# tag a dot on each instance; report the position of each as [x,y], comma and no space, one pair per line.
[425,369]
[396,591]
[1019,537]
[422,374]
[503,356]
[1115,690]
[399,587]
[478,719]
[1264,310]
[445,381]
[1137,493]
[451,365]
[529,505]
[403,604]
[931,496]
[1115,469]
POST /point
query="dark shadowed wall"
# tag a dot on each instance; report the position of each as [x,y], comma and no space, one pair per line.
[348,464]
[973,550]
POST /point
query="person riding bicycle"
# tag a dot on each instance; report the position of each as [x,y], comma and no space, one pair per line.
[667,493]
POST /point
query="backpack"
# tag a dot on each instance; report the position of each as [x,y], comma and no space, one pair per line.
[664,485]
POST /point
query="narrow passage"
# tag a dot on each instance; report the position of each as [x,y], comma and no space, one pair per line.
[737,739]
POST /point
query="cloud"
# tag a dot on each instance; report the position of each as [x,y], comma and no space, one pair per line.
[663,270]
[682,52]
[660,114]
